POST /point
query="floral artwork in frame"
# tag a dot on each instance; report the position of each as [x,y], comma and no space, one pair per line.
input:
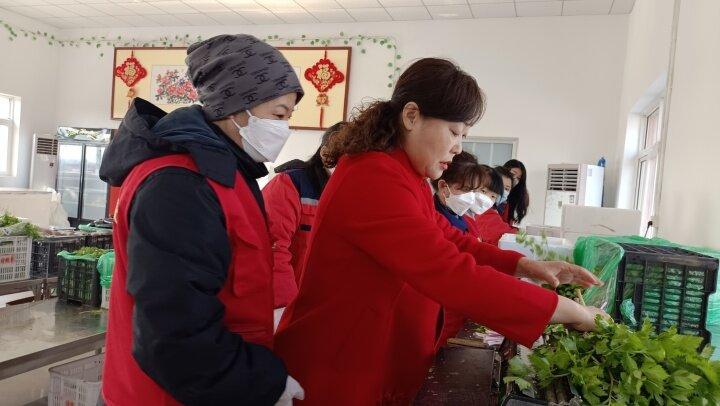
[166,84]
[171,85]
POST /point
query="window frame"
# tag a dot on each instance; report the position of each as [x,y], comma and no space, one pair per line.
[495,140]
[12,124]
[647,154]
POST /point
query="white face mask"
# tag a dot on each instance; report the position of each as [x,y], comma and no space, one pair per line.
[262,138]
[482,203]
[459,204]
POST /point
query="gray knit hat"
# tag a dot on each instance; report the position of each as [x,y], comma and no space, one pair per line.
[234,73]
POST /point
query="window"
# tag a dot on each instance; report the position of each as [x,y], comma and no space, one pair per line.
[9,113]
[647,164]
[491,151]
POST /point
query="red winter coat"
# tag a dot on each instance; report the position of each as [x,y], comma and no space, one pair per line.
[492,226]
[453,322]
[246,296]
[363,328]
[506,216]
[473,228]
[291,203]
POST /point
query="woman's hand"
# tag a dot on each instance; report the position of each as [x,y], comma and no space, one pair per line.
[575,315]
[556,273]
[588,321]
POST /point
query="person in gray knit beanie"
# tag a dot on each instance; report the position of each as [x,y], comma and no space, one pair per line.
[235,74]
[191,223]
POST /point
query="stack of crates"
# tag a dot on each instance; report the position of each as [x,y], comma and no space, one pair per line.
[45,261]
[15,258]
[667,285]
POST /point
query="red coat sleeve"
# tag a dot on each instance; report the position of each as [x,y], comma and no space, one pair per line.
[486,254]
[492,226]
[282,204]
[403,236]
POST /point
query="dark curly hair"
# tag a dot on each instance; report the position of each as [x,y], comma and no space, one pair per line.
[439,88]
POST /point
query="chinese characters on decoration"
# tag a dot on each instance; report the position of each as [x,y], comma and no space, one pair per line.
[323,76]
[130,72]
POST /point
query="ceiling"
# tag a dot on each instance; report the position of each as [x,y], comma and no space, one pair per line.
[154,13]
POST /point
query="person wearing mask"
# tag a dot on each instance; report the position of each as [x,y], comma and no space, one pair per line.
[507,183]
[191,314]
[454,192]
[383,261]
[496,188]
[518,201]
[291,200]
[454,199]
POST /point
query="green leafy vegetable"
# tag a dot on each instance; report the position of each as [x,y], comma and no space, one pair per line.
[618,366]
[28,229]
[90,252]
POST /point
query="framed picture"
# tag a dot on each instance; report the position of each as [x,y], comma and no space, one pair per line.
[158,75]
[324,73]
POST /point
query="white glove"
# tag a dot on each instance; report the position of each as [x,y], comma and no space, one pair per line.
[293,390]
[277,315]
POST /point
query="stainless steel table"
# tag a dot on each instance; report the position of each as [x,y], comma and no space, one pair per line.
[35,285]
[37,334]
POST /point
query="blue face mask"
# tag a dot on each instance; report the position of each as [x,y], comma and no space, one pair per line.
[502,199]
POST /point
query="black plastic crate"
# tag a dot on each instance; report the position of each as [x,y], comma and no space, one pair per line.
[99,240]
[79,282]
[512,396]
[44,260]
[669,286]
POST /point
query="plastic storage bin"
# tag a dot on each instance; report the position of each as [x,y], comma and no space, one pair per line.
[100,240]
[105,301]
[79,282]
[667,285]
[44,259]
[76,383]
[15,258]
[560,246]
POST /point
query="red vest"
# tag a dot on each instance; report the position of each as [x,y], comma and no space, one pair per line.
[247,293]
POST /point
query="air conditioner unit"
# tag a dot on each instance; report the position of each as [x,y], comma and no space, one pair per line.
[43,167]
[572,184]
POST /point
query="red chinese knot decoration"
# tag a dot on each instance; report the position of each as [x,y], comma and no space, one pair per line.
[131,71]
[323,75]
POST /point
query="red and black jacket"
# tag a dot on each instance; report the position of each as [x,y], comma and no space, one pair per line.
[191,299]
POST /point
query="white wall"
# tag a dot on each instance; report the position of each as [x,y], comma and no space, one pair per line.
[28,70]
[690,201]
[646,63]
[554,83]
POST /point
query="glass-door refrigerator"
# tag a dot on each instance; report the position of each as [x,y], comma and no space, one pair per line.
[83,195]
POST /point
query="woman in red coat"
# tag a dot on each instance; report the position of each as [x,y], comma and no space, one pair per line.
[454,199]
[291,200]
[382,261]
[496,188]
